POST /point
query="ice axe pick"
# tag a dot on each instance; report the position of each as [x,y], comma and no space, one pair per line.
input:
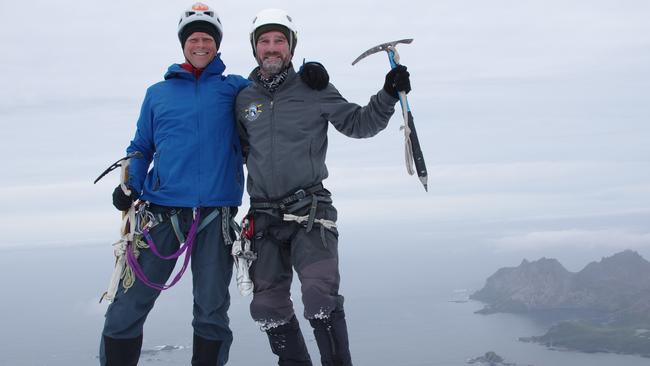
[413,152]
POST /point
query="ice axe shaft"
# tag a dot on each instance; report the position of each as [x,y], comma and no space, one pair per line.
[413,151]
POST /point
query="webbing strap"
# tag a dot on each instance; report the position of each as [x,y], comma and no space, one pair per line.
[284,202]
[324,224]
[227,224]
[408,148]
[208,219]
[312,212]
[177,228]
[328,224]
[179,234]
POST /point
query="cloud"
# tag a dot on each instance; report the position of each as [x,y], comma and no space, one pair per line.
[616,239]
[495,192]
[61,213]
[361,174]
[522,112]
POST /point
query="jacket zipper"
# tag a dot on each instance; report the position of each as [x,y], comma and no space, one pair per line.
[156,164]
[198,124]
[273,170]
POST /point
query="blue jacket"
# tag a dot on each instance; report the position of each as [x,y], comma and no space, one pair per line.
[187,128]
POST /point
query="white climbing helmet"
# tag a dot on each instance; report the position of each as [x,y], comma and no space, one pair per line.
[199,12]
[274,19]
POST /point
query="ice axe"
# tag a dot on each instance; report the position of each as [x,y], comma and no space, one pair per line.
[413,152]
[123,163]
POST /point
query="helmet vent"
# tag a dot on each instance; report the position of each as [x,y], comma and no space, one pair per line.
[201,13]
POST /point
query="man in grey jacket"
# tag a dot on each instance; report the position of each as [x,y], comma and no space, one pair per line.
[292,222]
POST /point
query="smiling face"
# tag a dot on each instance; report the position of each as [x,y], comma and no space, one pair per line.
[199,50]
[272,53]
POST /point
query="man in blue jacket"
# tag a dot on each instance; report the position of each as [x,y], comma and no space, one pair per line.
[187,130]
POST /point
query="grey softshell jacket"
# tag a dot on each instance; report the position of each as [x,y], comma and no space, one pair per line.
[284,133]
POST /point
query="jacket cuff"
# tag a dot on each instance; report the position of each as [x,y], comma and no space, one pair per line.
[386,98]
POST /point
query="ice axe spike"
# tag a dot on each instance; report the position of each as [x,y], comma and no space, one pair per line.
[413,151]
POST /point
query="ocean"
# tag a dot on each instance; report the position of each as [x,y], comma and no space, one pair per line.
[399,314]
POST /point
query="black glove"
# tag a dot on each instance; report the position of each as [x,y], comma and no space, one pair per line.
[314,75]
[121,201]
[397,80]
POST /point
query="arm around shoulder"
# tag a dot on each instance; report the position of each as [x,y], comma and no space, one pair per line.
[238,81]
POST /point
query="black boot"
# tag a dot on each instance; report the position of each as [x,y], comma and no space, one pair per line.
[205,352]
[289,345]
[122,352]
[332,339]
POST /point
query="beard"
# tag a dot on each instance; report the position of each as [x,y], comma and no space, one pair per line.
[272,67]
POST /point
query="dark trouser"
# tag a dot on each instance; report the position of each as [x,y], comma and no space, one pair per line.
[281,247]
[332,339]
[211,266]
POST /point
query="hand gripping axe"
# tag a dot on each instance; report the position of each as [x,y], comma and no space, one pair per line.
[413,152]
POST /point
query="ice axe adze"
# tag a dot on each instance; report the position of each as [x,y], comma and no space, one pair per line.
[413,152]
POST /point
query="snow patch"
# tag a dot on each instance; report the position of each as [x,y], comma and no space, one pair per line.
[266,325]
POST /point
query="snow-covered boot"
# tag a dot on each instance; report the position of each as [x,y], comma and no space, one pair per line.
[122,352]
[288,344]
[332,339]
[205,352]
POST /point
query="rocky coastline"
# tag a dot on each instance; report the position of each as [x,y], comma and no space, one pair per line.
[605,307]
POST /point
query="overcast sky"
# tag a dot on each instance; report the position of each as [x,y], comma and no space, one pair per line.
[533,117]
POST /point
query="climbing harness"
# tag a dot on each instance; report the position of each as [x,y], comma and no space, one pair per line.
[284,203]
[307,220]
[242,249]
[136,226]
